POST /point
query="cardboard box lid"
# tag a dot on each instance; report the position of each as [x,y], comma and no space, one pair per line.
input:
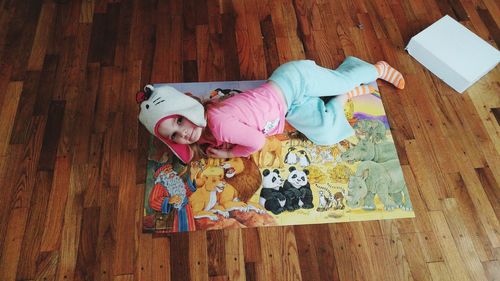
[457,47]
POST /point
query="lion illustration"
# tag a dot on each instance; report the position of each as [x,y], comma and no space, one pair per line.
[272,149]
[244,175]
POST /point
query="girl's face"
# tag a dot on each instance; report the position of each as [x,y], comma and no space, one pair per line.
[180,130]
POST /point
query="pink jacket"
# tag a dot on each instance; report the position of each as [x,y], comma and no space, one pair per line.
[241,123]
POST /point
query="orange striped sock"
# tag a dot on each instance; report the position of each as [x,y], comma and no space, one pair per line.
[389,74]
[360,90]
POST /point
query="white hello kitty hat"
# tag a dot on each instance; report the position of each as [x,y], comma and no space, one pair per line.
[163,102]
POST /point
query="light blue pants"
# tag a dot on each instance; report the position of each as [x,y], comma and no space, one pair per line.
[303,82]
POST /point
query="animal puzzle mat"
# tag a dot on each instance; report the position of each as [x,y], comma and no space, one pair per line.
[290,181]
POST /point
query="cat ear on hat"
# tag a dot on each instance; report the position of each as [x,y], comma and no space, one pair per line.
[148,89]
[145,94]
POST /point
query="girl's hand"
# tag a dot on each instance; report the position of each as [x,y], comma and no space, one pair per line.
[219,153]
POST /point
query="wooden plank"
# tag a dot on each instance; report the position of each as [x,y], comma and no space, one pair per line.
[125,244]
[100,6]
[125,15]
[46,85]
[251,245]
[469,147]
[20,35]
[8,113]
[398,120]
[350,247]
[490,186]
[462,237]
[483,103]
[430,128]
[113,151]
[330,19]
[198,256]
[450,248]
[71,12]
[470,215]
[167,61]
[290,20]
[87,11]
[30,249]
[202,47]
[91,195]
[10,173]
[51,237]
[373,47]
[476,20]
[430,247]
[22,184]
[144,261]
[493,8]
[480,139]
[416,259]
[305,29]
[316,253]
[106,241]
[88,103]
[234,255]
[130,84]
[425,175]
[216,260]
[492,269]
[255,68]
[11,249]
[489,22]
[104,35]
[391,263]
[5,74]
[124,277]
[307,252]
[440,271]
[180,258]
[43,34]
[402,19]
[72,223]
[279,255]
[48,157]
[104,103]
[22,129]
[486,213]
[63,78]
[86,260]
[6,15]
[459,10]
[47,265]
[270,45]
[231,60]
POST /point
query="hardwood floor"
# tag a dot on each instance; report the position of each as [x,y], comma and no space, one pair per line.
[73,156]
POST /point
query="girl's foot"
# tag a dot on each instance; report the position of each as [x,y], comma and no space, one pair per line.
[360,90]
[390,74]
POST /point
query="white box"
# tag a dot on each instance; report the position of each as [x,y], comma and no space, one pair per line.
[453,53]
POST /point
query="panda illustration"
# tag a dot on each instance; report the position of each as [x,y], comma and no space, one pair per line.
[290,157]
[271,197]
[297,190]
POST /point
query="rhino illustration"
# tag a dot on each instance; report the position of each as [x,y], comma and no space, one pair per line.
[366,150]
[383,179]
[373,130]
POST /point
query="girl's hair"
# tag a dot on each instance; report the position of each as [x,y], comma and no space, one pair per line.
[198,151]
